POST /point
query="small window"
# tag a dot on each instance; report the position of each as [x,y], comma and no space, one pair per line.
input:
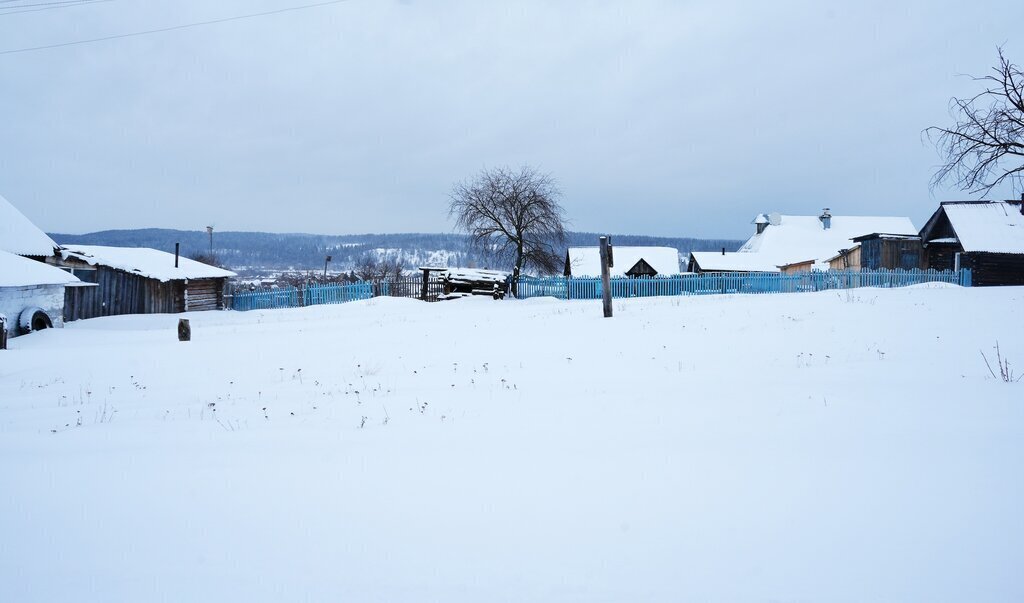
[86,276]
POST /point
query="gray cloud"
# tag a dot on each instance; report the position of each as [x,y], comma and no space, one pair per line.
[681,118]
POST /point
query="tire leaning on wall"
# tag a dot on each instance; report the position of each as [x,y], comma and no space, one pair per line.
[33,319]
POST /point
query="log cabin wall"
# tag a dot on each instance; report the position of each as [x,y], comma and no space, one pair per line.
[205,294]
[942,256]
[119,292]
[991,269]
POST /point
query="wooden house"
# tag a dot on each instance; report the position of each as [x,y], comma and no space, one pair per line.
[31,293]
[890,251]
[626,261]
[139,281]
[985,236]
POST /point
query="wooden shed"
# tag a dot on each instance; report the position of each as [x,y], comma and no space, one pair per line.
[138,280]
[797,267]
[890,251]
[846,259]
[985,236]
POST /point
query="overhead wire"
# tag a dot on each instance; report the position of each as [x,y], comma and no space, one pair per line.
[175,27]
[8,10]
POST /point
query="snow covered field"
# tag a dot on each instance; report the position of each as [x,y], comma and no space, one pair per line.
[835,446]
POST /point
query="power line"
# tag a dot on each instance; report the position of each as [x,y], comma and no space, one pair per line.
[10,9]
[175,27]
[12,6]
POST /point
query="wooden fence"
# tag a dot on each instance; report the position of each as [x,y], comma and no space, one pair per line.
[708,283]
[313,294]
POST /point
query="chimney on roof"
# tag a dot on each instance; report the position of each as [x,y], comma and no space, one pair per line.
[761,222]
[826,219]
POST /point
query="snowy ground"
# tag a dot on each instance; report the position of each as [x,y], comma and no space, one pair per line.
[846,446]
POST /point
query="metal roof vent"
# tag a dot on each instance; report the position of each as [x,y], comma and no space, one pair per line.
[826,219]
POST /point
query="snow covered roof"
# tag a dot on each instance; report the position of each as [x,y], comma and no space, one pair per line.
[586,261]
[800,238]
[16,271]
[996,227]
[733,261]
[19,235]
[150,263]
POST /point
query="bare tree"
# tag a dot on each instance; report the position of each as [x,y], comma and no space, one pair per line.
[370,267]
[986,145]
[513,216]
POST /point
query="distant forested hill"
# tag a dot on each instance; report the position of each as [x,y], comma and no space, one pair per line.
[263,250]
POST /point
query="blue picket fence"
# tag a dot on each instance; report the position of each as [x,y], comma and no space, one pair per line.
[337,294]
[709,283]
[265,299]
[294,297]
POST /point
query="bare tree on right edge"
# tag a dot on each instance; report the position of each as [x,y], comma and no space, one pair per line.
[986,145]
[513,216]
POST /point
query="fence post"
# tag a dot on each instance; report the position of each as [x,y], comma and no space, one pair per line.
[606,293]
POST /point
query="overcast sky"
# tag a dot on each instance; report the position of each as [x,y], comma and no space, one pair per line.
[664,118]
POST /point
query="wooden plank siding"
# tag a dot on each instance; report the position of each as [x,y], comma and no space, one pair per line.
[119,292]
[891,254]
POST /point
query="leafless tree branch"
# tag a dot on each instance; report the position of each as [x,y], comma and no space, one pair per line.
[985,147]
[513,216]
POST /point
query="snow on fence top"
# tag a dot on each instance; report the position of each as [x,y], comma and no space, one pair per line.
[150,263]
[16,271]
[586,261]
[996,227]
[19,235]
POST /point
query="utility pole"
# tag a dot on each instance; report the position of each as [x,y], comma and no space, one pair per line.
[326,259]
[606,285]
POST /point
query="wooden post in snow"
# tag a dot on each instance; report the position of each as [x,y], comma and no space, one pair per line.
[606,285]
[184,330]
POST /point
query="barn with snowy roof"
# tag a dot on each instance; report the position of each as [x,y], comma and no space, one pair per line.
[784,240]
[627,261]
[139,280]
[985,236]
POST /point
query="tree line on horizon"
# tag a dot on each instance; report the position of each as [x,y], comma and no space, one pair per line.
[307,252]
